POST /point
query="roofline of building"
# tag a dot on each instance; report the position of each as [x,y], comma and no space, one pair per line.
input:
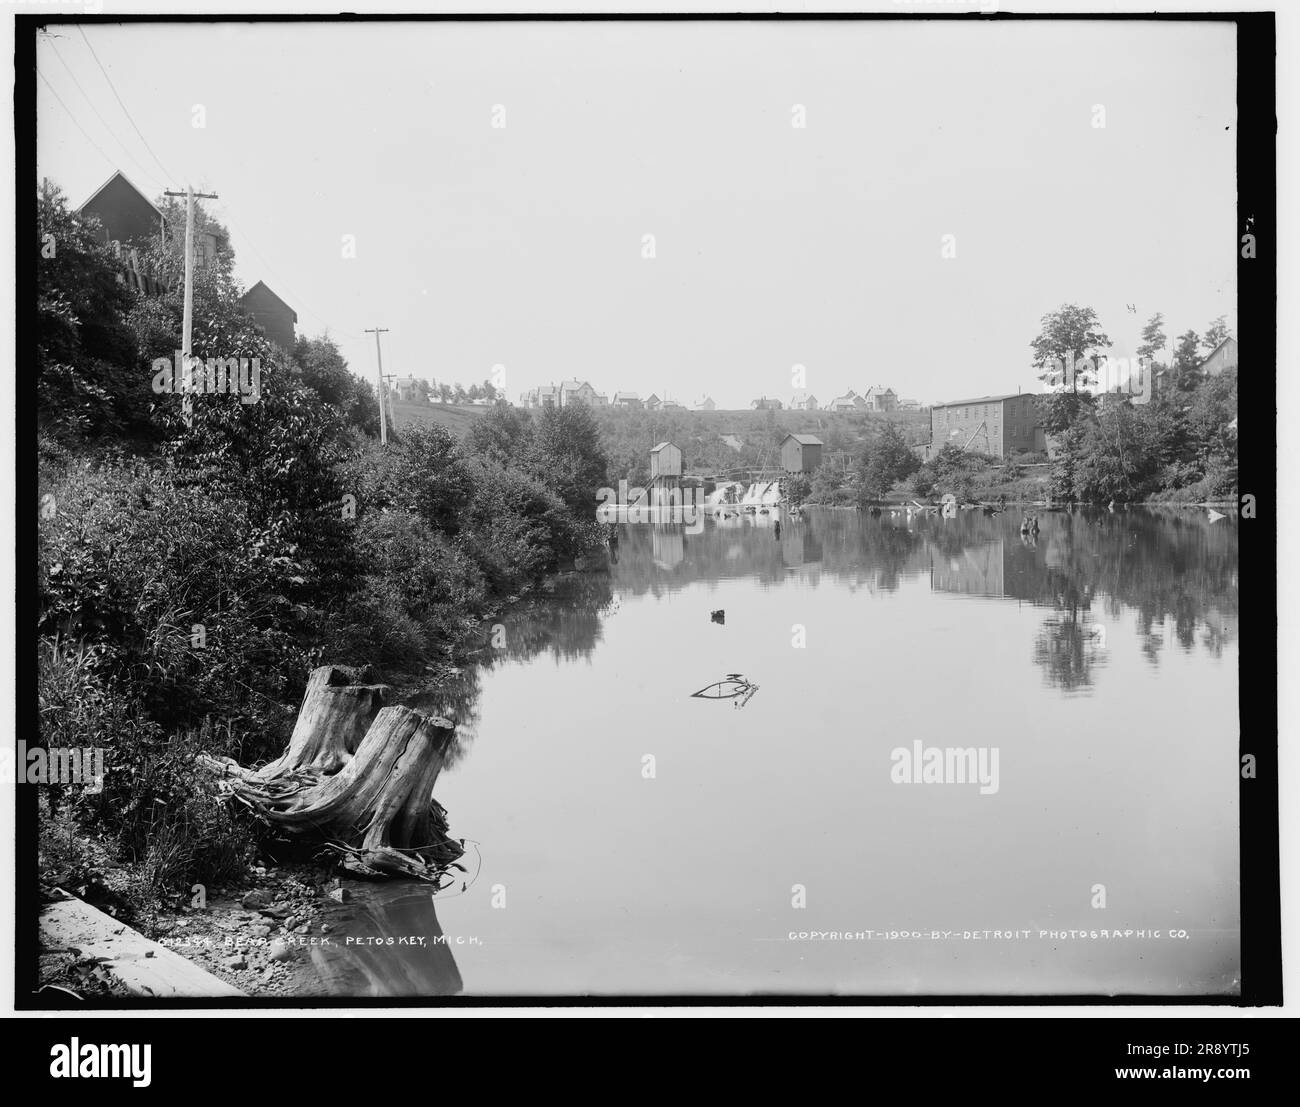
[981,400]
[109,181]
[272,291]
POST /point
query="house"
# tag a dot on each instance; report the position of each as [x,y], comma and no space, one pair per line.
[574,391]
[1223,357]
[272,314]
[881,399]
[125,214]
[653,402]
[801,453]
[706,404]
[909,405]
[672,405]
[850,401]
[763,403]
[546,395]
[600,399]
[629,400]
[998,425]
[409,389]
[802,400]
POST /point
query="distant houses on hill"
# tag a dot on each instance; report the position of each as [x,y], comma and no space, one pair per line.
[876,398]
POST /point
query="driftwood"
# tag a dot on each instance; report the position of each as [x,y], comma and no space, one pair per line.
[358,776]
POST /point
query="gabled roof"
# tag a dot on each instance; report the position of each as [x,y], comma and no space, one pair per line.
[1221,346]
[266,288]
[112,177]
[626,396]
[661,446]
[804,439]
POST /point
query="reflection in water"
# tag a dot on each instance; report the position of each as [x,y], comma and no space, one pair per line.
[1097,655]
[417,963]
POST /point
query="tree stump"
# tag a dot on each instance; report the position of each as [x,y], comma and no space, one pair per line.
[360,778]
[336,712]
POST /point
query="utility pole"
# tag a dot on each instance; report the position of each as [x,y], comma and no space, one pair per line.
[383,427]
[187,323]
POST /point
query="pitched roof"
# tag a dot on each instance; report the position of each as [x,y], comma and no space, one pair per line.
[112,177]
[805,439]
[661,446]
[982,399]
[626,396]
[1213,353]
[266,288]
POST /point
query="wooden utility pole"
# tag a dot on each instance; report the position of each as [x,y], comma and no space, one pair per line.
[383,427]
[187,322]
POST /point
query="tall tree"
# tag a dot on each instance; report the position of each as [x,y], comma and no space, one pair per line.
[1187,362]
[1070,338]
[1065,354]
[1153,339]
[1218,331]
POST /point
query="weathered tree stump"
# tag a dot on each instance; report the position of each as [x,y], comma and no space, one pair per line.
[359,777]
[336,712]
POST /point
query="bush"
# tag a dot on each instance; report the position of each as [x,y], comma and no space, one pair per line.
[156,805]
[178,593]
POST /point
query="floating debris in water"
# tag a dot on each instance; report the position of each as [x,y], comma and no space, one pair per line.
[718,616]
[734,687]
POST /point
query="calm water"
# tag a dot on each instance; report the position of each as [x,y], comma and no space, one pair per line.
[1099,662]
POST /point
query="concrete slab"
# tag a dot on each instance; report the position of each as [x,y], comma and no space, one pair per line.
[143,967]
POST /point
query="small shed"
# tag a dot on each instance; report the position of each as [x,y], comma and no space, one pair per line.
[665,461]
[801,453]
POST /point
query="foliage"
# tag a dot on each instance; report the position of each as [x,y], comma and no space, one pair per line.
[90,382]
[883,463]
[324,369]
[1071,338]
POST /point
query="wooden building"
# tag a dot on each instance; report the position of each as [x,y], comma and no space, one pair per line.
[272,314]
[997,425]
[125,214]
[1223,357]
[665,462]
[801,453]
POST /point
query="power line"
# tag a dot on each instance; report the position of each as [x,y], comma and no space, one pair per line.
[288,291]
[74,120]
[166,172]
[229,221]
[100,117]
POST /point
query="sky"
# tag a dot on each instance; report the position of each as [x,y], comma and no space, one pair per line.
[520,250]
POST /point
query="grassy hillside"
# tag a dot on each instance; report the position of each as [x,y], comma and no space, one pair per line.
[455,417]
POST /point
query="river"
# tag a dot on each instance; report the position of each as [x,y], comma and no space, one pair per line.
[626,838]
